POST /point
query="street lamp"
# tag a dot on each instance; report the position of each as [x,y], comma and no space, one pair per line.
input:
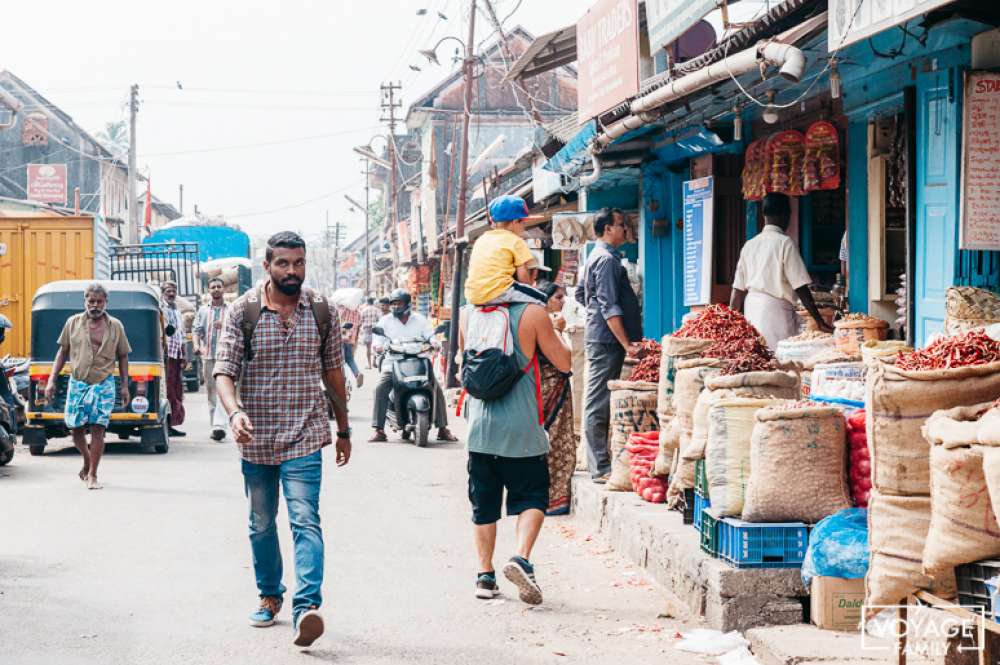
[431,53]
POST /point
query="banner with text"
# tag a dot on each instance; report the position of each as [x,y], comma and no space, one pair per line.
[853,20]
[607,49]
[47,183]
[980,203]
[698,241]
[666,20]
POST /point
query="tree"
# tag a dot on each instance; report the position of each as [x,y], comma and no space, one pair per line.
[114,138]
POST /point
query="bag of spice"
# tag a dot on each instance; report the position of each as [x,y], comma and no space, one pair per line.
[633,410]
[897,532]
[797,464]
[900,396]
[673,350]
[963,527]
[689,382]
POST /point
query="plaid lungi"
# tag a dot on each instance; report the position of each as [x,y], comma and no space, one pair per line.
[90,403]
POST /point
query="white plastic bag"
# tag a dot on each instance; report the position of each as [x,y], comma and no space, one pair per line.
[711,642]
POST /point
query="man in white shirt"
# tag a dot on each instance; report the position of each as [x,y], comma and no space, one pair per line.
[403,323]
[771,275]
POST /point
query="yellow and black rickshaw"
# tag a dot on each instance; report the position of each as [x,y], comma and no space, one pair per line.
[137,306]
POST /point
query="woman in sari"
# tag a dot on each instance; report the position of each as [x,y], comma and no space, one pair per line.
[558,407]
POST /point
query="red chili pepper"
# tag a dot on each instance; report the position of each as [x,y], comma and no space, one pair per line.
[972,348]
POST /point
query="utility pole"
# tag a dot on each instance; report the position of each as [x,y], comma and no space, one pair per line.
[460,240]
[333,236]
[181,208]
[389,105]
[368,245]
[133,201]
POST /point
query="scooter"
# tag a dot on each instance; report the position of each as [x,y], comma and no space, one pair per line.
[411,400]
[10,405]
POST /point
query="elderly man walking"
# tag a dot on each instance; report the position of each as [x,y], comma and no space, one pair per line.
[91,341]
[175,356]
[282,343]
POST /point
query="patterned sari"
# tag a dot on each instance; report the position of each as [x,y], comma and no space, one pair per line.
[558,404]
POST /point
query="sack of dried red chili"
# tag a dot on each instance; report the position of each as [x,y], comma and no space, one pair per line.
[633,409]
[899,400]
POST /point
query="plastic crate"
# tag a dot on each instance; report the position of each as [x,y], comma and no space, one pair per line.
[709,533]
[700,479]
[763,545]
[688,508]
[971,579]
[700,504]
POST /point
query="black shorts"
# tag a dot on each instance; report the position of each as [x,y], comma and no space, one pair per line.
[526,480]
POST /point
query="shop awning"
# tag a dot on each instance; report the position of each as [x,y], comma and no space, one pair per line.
[551,50]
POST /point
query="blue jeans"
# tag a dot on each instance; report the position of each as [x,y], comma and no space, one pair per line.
[604,363]
[349,359]
[300,481]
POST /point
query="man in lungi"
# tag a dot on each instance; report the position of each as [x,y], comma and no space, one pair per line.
[771,275]
[91,341]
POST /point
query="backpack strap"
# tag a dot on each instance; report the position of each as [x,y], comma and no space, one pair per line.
[321,312]
[251,315]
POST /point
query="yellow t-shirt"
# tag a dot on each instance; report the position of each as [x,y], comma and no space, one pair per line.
[491,266]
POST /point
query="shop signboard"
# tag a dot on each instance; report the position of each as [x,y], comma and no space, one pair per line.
[47,183]
[403,242]
[698,196]
[607,48]
[667,20]
[980,201]
[853,20]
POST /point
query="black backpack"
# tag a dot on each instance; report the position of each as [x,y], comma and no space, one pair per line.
[488,371]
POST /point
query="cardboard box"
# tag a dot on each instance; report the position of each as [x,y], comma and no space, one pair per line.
[836,603]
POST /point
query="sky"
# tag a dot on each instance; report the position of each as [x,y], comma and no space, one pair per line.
[303,75]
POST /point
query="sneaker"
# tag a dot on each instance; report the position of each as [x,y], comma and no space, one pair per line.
[486,586]
[218,434]
[309,627]
[522,575]
[602,480]
[264,616]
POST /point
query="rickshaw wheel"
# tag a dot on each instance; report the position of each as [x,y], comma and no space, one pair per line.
[162,448]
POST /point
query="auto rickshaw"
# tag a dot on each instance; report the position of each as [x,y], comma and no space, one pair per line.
[137,306]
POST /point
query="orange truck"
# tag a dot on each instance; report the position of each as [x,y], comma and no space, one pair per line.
[37,250]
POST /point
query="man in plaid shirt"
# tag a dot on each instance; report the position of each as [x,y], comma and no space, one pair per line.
[280,424]
[175,356]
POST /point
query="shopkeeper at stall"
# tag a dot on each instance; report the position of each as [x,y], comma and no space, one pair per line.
[771,274]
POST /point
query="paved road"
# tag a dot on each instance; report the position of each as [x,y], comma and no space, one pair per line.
[155,568]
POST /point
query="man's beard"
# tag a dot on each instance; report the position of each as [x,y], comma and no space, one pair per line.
[95,313]
[290,286]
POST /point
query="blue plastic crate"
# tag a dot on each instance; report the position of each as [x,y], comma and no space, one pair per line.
[763,545]
[700,504]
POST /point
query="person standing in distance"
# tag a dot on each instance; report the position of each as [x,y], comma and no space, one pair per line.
[771,275]
[614,323]
[280,423]
[91,341]
[207,331]
[370,314]
[175,359]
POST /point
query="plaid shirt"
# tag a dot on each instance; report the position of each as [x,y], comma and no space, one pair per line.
[281,388]
[350,315]
[208,327]
[369,317]
[175,342]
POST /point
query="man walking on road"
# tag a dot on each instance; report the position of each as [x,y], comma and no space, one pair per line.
[175,357]
[370,314]
[508,448]
[352,316]
[614,323]
[207,331]
[282,342]
[91,341]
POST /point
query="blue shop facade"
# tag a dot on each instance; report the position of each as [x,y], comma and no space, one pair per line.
[890,109]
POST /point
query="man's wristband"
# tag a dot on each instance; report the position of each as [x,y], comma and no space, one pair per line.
[233,414]
[345,434]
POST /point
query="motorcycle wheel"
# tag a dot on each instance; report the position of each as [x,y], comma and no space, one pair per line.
[422,428]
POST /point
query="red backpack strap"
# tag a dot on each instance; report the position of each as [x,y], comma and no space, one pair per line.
[534,368]
[461,402]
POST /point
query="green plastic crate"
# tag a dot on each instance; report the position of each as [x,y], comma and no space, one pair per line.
[701,479]
[709,533]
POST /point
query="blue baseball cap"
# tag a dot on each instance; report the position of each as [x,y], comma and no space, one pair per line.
[509,208]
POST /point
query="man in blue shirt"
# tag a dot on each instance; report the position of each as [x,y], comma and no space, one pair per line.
[614,323]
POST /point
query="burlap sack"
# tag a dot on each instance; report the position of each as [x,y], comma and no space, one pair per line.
[797,465]
[899,401]
[897,531]
[633,409]
[689,381]
[988,428]
[674,349]
[968,308]
[749,384]
[727,451]
[885,349]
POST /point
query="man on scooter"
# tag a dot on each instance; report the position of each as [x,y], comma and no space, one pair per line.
[399,324]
